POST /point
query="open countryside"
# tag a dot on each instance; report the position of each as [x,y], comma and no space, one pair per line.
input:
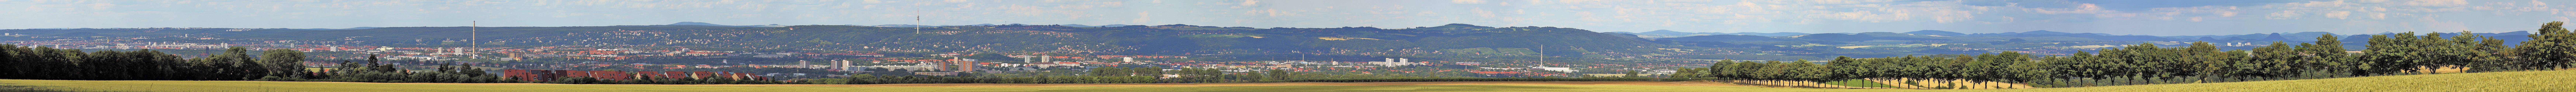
[1289,46]
[2488,82]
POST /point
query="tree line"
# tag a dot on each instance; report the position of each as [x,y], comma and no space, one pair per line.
[236,64]
[1094,75]
[232,64]
[375,70]
[47,63]
[2388,54]
[1479,79]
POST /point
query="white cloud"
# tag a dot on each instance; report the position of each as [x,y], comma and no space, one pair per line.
[1250,2]
[2378,15]
[1480,12]
[2439,3]
[2338,14]
[1467,1]
[2227,14]
[2283,15]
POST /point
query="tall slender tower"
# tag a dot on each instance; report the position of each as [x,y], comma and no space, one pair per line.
[473,37]
[916,21]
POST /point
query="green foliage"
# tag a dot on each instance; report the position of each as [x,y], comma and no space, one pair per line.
[70,64]
[2396,54]
[2551,47]
[1475,79]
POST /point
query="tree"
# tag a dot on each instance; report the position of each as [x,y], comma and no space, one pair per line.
[2491,56]
[284,63]
[1746,70]
[1844,67]
[1723,68]
[2326,54]
[2275,60]
[237,63]
[1278,74]
[1631,74]
[2550,48]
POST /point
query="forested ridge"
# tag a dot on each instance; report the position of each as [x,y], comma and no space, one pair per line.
[2392,54]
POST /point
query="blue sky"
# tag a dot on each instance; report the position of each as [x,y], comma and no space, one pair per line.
[2148,17]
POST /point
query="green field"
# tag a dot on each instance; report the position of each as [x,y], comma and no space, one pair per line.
[2540,81]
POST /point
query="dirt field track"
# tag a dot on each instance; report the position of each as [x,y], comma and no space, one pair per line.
[1613,83]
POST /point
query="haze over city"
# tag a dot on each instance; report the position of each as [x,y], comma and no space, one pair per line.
[1287,45]
[2207,17]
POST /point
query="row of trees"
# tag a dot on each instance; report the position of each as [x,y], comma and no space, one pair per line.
[2390,54]
[44,63]
[663,80]
[1123,71]
[913,79]
[374,70]
[48,63]
[234,63]
[1094,75]
[1477,79]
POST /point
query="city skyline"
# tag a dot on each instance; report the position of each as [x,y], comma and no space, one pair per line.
[2188,17]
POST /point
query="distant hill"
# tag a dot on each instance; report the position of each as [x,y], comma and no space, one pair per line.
[1724,38]
[1671,34]
[341,28]
[1936,32]
[1665,32]
[2044,32]
[709,24]
[697,23]
[1140,40]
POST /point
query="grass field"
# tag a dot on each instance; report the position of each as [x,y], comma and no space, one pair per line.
[2532,81]
[1861,83]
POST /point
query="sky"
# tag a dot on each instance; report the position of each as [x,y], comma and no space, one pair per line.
[2143,17]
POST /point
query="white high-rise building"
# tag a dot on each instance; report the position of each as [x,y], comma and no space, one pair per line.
[843,65]
[1398,60]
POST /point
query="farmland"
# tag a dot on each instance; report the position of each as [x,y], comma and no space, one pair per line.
[2493,81]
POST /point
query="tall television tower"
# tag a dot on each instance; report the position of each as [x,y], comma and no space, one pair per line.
[473,38]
